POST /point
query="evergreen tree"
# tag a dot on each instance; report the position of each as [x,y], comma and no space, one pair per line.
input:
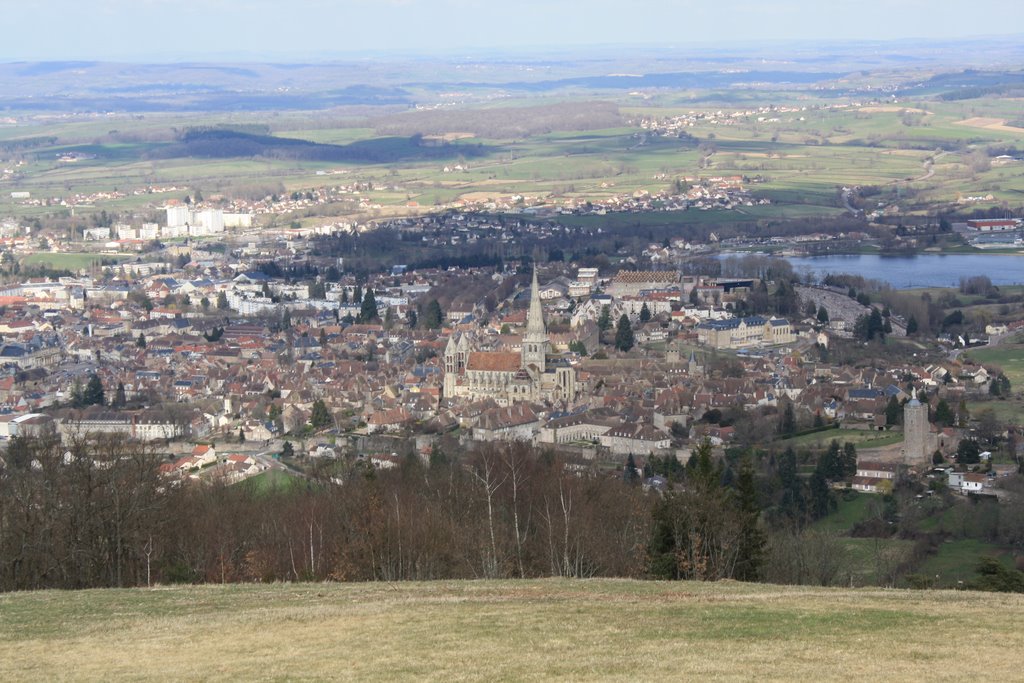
[849,459]
[787,424]
[433,316]
[119,398]
[287,451]
[604,321]
[624,334]
[141,341]
[892,411]
[368,311]
[93,393]
[630,473]
[912,325]
[792,503]
[241,435]
[645,313]
[968,452]
[943,413]
[222,301]
[752,539]
[822,315]
[821,502]
[830,466]
[320,417]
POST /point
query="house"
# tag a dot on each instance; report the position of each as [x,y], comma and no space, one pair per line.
[635,439]
[205,454]
[517,422]
[875,477]
[972,482]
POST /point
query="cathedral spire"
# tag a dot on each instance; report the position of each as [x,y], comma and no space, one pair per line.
[535,342]
[535,318]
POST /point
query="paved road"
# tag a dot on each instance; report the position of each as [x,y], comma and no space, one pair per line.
[846,194]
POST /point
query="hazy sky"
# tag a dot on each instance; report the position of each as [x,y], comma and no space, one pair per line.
[175,30]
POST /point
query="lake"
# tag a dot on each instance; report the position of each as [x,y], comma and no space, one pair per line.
[920,270]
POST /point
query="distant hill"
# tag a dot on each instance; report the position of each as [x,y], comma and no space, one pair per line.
[217,143]
[516,630]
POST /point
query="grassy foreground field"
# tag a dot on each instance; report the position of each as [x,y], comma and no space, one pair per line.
[597,629]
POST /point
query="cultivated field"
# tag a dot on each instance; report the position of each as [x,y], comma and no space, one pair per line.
[513,630]
[925,154]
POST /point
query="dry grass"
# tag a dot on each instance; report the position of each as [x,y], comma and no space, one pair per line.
[600,629]
[990,124]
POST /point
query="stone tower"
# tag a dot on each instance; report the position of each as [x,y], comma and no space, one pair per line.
[535,342]
[672,355]
[915,431]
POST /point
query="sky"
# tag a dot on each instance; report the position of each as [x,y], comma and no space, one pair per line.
[192,30]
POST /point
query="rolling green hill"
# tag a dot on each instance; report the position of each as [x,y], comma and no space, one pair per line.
[487,630]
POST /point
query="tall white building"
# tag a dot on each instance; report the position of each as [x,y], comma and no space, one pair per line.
[177,215]
[211,221]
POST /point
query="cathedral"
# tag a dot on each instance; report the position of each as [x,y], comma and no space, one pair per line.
[508,377]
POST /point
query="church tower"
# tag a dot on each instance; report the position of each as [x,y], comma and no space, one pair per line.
[451,366]
[915,431]
[535,342]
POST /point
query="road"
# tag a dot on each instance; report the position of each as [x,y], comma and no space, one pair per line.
[993,340]
[846,194]
[267,459]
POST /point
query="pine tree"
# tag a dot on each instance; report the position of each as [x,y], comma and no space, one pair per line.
[831,464]
[787,424]
[320,417]
[368,311]
[752,540]
[141,341]
[849,459]
[645,313]
[222,301]
[433,316]
[604,321]
[624,334]
[630,473]
[822,501]
[892,411]
[119,398]
[93,393]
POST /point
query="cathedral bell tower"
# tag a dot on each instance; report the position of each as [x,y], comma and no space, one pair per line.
[535,342]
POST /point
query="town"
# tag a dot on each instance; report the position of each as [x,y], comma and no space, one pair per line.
[231,353]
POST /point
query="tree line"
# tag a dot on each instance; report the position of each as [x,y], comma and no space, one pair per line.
[96,513]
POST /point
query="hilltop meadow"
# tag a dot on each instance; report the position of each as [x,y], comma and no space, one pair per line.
[515,630]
